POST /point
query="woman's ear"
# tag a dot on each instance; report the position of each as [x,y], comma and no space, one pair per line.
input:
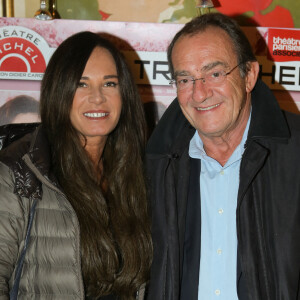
[252,75]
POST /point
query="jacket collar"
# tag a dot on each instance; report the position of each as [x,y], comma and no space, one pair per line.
[172,133]
[267,119]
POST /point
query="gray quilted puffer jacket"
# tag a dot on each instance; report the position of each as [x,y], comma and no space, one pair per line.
[52,265]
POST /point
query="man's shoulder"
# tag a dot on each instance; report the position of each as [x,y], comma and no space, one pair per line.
[293,120]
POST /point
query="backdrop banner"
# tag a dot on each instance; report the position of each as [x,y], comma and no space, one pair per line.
[26,46]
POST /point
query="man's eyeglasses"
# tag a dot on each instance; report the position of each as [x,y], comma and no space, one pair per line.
[211,78]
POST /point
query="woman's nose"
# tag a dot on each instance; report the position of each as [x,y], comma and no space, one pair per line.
[97,96]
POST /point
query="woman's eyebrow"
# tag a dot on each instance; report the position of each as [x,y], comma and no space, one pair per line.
[104,77]
[110,76]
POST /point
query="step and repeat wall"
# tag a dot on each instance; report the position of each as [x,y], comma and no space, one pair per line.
[26,46]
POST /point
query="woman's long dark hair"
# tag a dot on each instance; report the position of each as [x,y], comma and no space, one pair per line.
[116,247]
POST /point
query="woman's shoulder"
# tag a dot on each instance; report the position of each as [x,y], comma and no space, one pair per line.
[15,140]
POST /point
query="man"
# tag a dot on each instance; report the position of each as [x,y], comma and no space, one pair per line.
[223,165]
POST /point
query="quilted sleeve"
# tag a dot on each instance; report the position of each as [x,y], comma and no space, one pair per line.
[12,226]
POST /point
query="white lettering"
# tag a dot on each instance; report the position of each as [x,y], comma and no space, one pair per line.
[7,47]
[19,46]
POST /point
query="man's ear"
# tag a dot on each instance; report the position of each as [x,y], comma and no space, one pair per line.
[252,75]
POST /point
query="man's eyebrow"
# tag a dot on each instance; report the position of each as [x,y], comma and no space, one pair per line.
[181,73]
[212,65]
[203,69]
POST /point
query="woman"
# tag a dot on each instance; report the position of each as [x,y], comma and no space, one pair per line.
[90,234]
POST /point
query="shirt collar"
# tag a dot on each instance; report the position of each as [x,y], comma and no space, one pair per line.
[196,149]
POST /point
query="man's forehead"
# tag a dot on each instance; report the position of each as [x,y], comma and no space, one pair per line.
[204,68]
[207,49]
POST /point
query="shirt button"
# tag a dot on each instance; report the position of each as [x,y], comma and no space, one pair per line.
[220,211]
[219,251]
[217,292]
[222,172]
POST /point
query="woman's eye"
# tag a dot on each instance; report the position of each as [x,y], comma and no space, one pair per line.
[110,84]
[82,84]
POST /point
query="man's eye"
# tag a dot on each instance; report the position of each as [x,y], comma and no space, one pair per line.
[182,81]
[216,74]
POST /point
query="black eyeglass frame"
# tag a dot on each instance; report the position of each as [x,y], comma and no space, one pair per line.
[193,80]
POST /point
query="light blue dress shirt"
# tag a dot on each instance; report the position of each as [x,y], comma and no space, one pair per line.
[218,190]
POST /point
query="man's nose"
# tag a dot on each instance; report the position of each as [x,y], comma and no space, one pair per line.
[201,91]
